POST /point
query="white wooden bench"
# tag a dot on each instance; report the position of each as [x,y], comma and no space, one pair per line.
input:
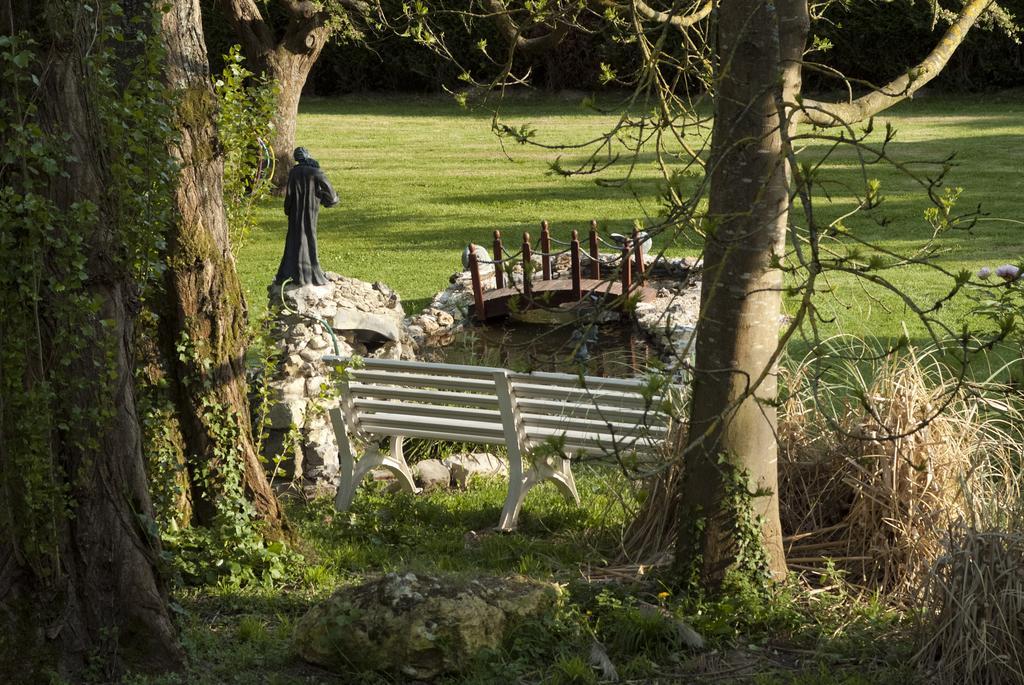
[544,420]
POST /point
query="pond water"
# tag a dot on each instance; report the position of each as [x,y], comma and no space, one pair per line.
[611,350]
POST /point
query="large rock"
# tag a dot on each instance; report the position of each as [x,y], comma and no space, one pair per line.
[464,466]
[481,255]
[368,326]
[284,415]
[320,452]
[431,474]
[419,627]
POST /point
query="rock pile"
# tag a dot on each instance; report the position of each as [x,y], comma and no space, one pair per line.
[671,319]
[367,320]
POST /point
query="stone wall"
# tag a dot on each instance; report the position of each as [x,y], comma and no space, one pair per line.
[368,320]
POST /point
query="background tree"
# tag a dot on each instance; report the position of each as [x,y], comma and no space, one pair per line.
[284,40]
[85,200]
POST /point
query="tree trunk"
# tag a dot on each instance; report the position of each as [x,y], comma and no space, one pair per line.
[731,448]
[288,60]
[203,313]
[290,70]
[85,595]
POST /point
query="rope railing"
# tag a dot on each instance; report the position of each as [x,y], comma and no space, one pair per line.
[611,244]
[605,261]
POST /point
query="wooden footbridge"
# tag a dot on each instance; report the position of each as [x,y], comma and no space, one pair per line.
[613,281]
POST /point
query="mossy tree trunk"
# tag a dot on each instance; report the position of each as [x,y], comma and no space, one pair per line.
[202,311]
[79,589]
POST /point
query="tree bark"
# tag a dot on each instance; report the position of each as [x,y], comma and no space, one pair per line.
[287,60]
[202,314]
[290,70]
[731,446]
[94,601]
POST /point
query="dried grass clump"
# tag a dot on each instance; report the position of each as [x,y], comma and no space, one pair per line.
[874,488]
[974,610]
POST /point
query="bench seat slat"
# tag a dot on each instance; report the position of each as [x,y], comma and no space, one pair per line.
[593,443]
[447,435]
[420,395]
[646,453]
[538,433]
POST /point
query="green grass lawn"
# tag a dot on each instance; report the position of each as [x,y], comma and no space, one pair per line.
[419,177]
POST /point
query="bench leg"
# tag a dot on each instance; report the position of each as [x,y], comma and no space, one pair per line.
[346,462]
[395,462]
[352,473]
[560,474]
[565,481]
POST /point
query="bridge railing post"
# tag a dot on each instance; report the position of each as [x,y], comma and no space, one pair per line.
[499,271]
[545,248]
[478,288]
[595,255]
[638,254]
[627,271]
[574,252]
[527,265]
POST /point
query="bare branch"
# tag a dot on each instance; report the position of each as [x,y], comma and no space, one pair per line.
[839,113]
[513,32]
[678,20]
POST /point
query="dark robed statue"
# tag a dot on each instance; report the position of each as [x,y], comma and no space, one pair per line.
[307,189]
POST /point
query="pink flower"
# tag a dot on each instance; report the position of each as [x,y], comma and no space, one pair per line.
[1008,272]
[984,273]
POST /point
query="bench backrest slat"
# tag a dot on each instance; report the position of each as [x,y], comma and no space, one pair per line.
[416,367]
[566,380]
[367,407]
[431,396]
[588,410]
[423,380]
[612,398]
[592,425]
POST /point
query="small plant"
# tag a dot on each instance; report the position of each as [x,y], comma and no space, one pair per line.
[572,670]
[251,629]
[245,124]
